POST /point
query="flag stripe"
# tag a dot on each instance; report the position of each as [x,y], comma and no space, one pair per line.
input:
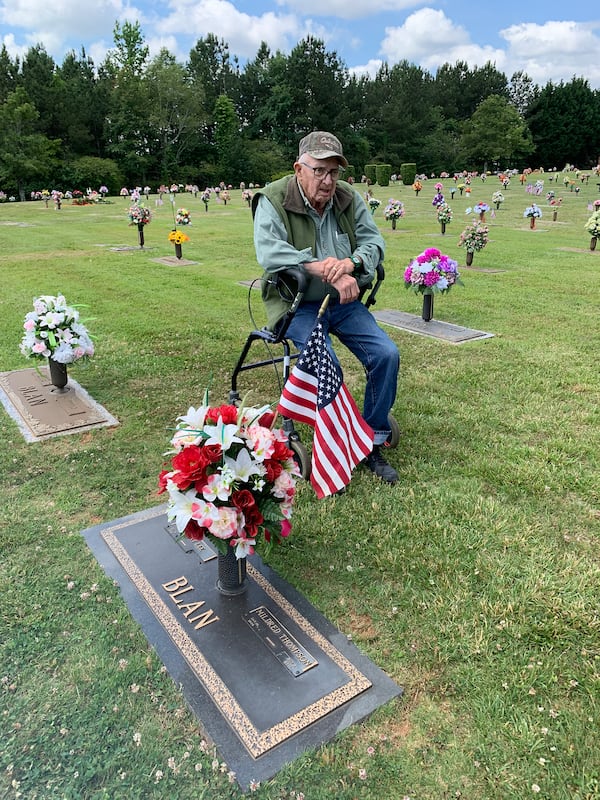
[315,393]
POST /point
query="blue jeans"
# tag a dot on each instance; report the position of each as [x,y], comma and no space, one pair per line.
[357,329]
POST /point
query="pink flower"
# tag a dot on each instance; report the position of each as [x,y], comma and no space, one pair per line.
[226,524]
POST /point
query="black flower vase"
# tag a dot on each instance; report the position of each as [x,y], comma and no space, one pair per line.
[178,250]
[141,233]
[427,312]
[231,573]
[393,223]
[58,375]
[593,242]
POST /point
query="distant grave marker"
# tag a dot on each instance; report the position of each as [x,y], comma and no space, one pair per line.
[30,399]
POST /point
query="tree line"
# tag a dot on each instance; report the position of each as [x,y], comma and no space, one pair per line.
[133,120]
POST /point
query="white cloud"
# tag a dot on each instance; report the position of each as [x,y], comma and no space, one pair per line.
[369,69]
[348,9]
[242,32]
[58,19]
[554,51]
[429,38]
[551,51]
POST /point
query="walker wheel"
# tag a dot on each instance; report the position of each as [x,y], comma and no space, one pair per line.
[394,437]
[301,457]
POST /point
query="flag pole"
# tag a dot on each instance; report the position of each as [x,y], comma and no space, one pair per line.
[324,305]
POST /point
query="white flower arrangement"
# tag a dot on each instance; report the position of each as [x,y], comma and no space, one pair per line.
[53,330]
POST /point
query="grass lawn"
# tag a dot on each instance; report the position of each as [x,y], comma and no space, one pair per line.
[473,583]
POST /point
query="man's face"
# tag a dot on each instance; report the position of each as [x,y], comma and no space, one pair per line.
[317,186]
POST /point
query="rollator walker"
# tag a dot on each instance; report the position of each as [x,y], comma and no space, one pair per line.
[291,284]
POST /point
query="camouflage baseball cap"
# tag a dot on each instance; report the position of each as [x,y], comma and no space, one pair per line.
[321,144]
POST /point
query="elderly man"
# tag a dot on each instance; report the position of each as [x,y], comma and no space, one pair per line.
[313,221]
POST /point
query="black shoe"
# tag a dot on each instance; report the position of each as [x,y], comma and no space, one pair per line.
[379,466]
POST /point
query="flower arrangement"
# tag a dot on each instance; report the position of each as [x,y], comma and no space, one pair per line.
[444,214]
[139,215]
[481,208]
[53,330]
[431,272]
[178,237]
[497,198]
[394,209]
[417,186]
[182,217]
[374,204]
[438,199]
[533,211]
[232,478]
[592,226]
[474,237]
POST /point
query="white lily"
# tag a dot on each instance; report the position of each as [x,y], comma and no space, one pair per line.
[243,466]
[180,506]
[194,419]
[221,434]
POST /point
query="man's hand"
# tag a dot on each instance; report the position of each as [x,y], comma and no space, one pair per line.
[338,273]
[347,288]
[330,269]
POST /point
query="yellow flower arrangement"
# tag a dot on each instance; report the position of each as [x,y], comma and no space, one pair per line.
[178,237]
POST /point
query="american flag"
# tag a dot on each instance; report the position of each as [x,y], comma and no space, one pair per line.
[315,393]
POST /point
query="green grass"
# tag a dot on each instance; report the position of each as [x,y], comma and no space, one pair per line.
[473,582]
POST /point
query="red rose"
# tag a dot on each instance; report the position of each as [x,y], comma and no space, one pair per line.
[273,469]
[162,481]
[282,452]
[267,419]
[245,502]
[228,414]
[212,453]
[189,465]
[194,531]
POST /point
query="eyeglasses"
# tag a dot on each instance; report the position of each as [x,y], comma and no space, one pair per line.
[321,173]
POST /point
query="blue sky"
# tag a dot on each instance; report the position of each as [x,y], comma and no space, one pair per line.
[547,39]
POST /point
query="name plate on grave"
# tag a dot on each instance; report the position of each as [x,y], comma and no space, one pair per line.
[286,649]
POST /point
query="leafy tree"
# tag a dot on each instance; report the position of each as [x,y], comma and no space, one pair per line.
[495,135]
[256,85]
[93,172]
[564,121]
[127,128]
[315,80]
[39,80]
[458,90]
[174,114]
[131,53]
[213,70]
[25,154]
[226,137]
[522,92]
[8,74]
[82,108]
[400,113]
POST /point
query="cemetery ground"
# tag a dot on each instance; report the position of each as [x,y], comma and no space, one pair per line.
[473,582]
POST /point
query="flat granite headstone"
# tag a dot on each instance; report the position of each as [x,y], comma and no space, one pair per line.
[173,261]
[267,676]
[455,334]
[41,412]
